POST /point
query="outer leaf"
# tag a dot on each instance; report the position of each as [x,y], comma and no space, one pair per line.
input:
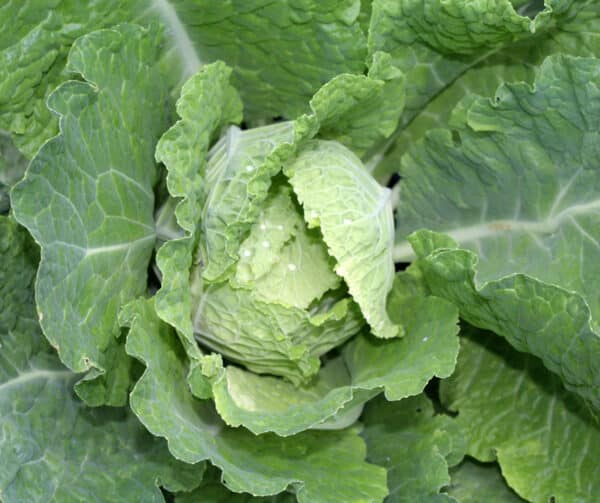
[545,440]
[87,199]
[404,366]
[51,446]
[35,41]
[438,43]
[522,182]
[360,111]
[261,465]
[574,32]
[414,445]
[281,52]
[12,168]
[400,367]
[207,103]
[355,220]
[475,482]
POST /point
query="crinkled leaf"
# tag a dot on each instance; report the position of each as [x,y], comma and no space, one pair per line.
[452,49]
[281,52]
[12,168]
[520,181]
[35,41]
[473,482]
[513,409]
[356,221]
[414,445]
[87,199]
[281,261]
[400,367]
[434,42]
[270,338]
[360,111]
[207,103]
[238,177]
[404,366]
[260,465]
[51,445]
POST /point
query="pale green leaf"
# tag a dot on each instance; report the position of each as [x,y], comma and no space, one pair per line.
[355,218]
[260,465]
[238,176]
[519,179]
[400,367]
[513,409]
[269,338]
[281,261]
[51,445]
[207,103]
[87,199]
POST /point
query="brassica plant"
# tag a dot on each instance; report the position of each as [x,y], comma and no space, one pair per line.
[335,251]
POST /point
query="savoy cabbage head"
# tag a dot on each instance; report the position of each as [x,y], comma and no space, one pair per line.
[338,251]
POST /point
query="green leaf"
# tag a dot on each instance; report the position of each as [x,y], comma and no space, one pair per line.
[52,446]
[281,52]
[269,338]
[414,445]
[400,367]
[261,465]
[360,111]
[434,42]
[34,45]
[239,174]
[87,199]
[495,53]
[473,482]
[12,168]
[519,175]
[356,222]
[513,409]
[404,366]
[207,103]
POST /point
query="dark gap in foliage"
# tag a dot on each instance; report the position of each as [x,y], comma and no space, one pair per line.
[168,496]
[401,266]
[432,390]
[153,279]
[456,139]
[394,179]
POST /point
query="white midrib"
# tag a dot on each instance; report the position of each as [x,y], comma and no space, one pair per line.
[185,47]
[98,250]
[403,251]
[33,375]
